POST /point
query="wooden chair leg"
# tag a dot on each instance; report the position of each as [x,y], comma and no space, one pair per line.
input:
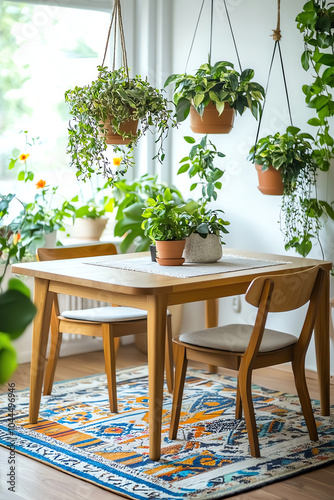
[180,375]
[304,397]
[245,379]
[56,339]
[169,355]
[110,364]
[238,403]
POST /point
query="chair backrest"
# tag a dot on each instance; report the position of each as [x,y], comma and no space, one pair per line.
[289,291]
[60,253]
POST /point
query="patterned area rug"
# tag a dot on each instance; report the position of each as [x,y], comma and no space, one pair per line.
[210,458]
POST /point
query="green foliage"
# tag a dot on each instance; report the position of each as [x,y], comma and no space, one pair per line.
[206,221]
[219,84]
[302,215]
[290,152]
[316,22]
[130,199]
[114,98]
[22,234]
[200,163]
[164,219]
[12,324]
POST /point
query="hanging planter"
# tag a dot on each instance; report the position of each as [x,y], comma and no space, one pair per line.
[108,111]
[128,130]
[215,93]
[270,180]
[211,122]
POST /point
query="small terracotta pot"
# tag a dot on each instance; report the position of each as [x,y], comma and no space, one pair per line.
[270,181]
[211,122]
[130,127]
[170,252]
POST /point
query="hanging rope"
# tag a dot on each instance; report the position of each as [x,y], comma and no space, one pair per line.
[277,37]
[277,32]
[116,18]
[211,32]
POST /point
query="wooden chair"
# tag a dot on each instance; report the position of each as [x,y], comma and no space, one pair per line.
[110,323]
[246,347]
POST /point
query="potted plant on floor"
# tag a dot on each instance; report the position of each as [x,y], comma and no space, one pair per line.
[101,112]
[213,96]
[167,225]
[204,243]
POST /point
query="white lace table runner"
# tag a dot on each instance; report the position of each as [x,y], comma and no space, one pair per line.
[226,264]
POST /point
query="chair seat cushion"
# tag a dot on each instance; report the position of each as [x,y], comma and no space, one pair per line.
[106,314]
[235,338]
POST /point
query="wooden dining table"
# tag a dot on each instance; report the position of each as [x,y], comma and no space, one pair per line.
[154,293]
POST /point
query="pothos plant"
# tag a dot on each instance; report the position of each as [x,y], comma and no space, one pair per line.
[302,215]
[219,84]
[115,98]
[200,162]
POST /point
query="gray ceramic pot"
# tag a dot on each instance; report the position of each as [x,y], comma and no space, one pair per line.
[198,249]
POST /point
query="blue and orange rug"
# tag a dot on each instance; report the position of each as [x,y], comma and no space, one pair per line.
[210,458]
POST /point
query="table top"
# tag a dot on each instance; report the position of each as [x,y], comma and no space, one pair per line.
[77,272]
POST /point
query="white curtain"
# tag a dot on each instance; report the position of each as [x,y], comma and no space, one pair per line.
[102,5]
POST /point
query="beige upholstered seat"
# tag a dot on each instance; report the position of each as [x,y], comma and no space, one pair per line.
[245,347]
[108,322]
[235,338]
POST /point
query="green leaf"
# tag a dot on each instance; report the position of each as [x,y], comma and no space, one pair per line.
[20,176]
[220,107]
[11,322]
[12,163]
[305,60]
[183,169]
[182,109]
[8,361]
[198,99]
[193,186]
[327,59]
[314,121]
[17,284]
[189,139]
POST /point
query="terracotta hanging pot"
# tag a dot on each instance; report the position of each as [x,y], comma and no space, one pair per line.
[211,122]
[270,181]
[111,137]
[170,252]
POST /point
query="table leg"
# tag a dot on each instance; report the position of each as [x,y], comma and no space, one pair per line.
[43,301]
[156,328]
[211,320]
[321,339]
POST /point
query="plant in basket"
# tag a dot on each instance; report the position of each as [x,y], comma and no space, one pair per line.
[213,95]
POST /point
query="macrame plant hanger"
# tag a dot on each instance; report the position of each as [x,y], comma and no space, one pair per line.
[211,31]
[277,38]
[116,19]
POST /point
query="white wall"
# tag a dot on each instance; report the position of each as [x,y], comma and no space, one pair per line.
[253,216]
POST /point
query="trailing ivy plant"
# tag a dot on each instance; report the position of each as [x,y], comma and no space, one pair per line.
[316,23]
[200,162]
[302,214]
[115,98]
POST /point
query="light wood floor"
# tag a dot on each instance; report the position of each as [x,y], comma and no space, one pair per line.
[35,481]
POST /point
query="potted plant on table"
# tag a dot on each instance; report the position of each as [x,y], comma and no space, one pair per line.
[101,113]
[130,199]
[213,95]
[204,243]
[167,225]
